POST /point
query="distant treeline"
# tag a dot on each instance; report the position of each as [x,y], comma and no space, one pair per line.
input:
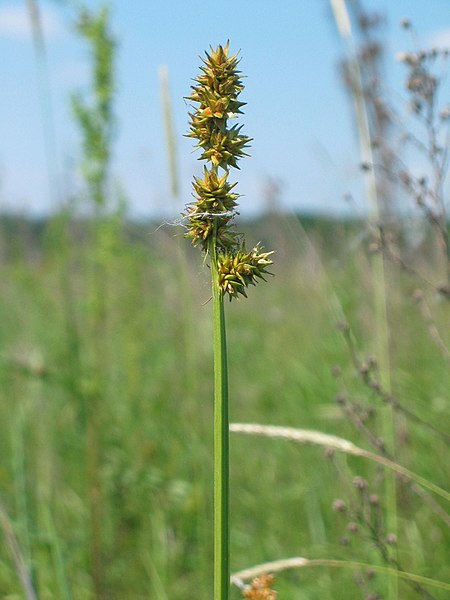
[25,235]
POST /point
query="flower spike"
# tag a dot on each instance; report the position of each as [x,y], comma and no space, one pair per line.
[216,92]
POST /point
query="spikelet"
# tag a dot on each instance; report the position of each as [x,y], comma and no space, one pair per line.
[216,92]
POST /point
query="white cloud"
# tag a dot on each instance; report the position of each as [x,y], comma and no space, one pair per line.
[15,22]
[440,38]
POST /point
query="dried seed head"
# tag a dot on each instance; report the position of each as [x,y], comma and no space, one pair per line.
[364,368]
[336,371]
[405,23]
[391,539]
[261,588]
[353,527]
[374,500]
[343,326]
[360,483]
[339,505]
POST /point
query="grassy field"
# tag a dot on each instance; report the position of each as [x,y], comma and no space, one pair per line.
[106,366]
[106,414]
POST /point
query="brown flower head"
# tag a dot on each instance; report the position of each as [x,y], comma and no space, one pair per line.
[261,588]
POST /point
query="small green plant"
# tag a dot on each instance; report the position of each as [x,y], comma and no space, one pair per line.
[95,118]
[233,268]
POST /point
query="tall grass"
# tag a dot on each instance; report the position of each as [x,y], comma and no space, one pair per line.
[233,268]
[377,212]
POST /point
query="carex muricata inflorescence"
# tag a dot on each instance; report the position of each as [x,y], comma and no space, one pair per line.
[210,216]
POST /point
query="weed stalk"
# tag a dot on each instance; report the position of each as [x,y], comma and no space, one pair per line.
[221,438]
[96,122]
[343,22]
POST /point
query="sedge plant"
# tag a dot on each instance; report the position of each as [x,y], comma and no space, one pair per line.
[233,268]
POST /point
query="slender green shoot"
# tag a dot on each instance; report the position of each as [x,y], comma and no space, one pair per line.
[221,439]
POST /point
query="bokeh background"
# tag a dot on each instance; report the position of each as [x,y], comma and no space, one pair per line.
[106,463]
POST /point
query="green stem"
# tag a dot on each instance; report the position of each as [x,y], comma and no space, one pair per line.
[221,441]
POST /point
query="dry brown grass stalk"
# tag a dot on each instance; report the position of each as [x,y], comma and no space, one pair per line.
[306,436]
[16,554]
[275,566]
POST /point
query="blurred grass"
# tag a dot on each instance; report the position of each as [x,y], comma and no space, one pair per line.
[156,431]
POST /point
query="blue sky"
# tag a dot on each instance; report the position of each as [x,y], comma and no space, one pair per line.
[296,111]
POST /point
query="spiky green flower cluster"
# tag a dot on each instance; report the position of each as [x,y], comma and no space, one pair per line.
[216,92]
[238,271]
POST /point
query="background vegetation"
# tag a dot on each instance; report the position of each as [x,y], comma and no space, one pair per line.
[106,387]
